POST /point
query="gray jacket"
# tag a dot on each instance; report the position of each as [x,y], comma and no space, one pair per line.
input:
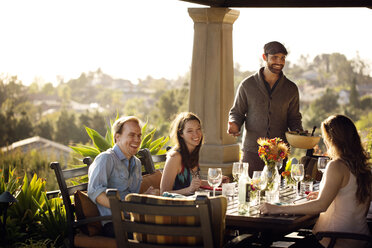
[265,116]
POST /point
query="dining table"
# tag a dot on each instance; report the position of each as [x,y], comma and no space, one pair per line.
[269,227]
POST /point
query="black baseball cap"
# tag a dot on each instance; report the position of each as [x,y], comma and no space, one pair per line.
[275,47]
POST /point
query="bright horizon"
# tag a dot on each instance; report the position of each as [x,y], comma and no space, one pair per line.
[46,40]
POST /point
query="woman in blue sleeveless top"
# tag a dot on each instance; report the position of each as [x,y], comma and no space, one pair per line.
[181,170]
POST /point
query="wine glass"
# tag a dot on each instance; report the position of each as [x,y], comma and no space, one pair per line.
[237,169]
[322,163]
[297,173]
[214,178]
[259,181]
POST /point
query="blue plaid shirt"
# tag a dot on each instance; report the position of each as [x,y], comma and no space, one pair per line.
[110,170]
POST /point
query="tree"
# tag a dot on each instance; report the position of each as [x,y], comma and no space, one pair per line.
[24,128]
[98,123]
[66,129]
[320,109]
[48,89]
[354,95]
[136,107]
[44,129]
[342,68]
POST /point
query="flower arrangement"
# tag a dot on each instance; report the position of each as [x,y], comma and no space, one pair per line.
[272,150]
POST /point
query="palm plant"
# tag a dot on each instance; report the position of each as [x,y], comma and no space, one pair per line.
[101,144]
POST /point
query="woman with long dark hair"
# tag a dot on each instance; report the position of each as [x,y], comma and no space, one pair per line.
[182,165]
[345,190]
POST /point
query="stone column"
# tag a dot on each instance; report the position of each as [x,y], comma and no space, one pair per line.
[212,84]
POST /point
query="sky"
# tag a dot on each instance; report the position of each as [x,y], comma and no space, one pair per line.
[49,40]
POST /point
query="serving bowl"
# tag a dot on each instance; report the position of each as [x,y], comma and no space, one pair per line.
[303,141]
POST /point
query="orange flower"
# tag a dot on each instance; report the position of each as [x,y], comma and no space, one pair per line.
[286,173]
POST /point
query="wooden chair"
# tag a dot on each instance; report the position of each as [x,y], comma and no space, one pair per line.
[167,222]
[124,226]
[342,235]
[76,224]
[84,228]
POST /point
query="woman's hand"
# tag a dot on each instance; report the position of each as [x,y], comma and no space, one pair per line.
[312,195]
[225,179]
[267,208]
[194,185]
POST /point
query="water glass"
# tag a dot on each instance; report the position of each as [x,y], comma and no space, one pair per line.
[306,187]
[228,190]
[297,173]
[322,163]
[214,178]
[259,182]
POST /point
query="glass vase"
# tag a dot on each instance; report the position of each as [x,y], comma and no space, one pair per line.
[289,183]
[273,182]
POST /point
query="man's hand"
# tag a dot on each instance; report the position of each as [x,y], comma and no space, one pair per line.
[152,191]
[233,129]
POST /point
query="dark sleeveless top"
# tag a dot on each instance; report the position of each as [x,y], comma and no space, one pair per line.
[183,179]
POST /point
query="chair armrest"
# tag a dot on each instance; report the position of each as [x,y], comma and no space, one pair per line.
[342,235]
[53,194]
[243,240]
[91,219]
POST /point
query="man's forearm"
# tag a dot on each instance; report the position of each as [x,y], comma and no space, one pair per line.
[103,200]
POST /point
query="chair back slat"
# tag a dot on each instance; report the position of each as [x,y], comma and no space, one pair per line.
[148,245]
[175,210]
[82,187]
[155,229]
[78,172]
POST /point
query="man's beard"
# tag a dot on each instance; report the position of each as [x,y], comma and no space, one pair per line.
[275,70]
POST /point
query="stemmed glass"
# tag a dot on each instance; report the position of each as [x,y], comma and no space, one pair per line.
[322,163]
[297,173]
[259,181]
[237,169]
[214,178]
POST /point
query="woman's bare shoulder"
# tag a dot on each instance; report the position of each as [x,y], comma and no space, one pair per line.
[174,161]
[339,164]
[174,154]
[339,167]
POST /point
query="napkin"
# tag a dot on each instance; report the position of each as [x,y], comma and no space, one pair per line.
[210,188]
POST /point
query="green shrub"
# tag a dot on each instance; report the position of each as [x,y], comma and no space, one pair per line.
[33,220]
[30,163]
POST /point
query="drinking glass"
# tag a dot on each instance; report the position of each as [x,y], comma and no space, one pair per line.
[214,178]
[237,169]
[259,181]
[322,163]
[297,173]
[228,190]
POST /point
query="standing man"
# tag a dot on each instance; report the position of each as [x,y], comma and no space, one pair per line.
[117,168]
[267,102]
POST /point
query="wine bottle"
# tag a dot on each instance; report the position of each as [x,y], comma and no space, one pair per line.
[244,194]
